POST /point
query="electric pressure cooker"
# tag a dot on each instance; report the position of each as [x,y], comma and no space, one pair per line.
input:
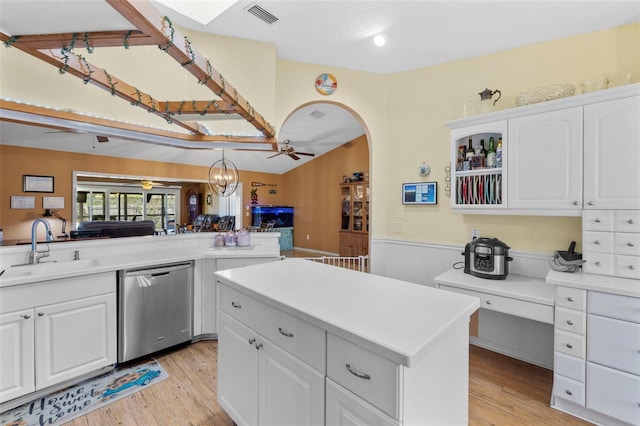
[487,258]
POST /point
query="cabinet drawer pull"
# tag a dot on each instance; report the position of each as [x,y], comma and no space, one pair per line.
[252,341]
[630,221]
[25,316]
[598,263]
[631,267]
[488,302]
[597,221]
[568,392]
[236,305]
[284,332]
[258,346]
[596,242]
[40,314]
[357,373]
[569,322]
[631,244]
[590,203]
[569,345]
[570,299]
[575,203]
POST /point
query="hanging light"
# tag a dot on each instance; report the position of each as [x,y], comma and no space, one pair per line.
[223,177]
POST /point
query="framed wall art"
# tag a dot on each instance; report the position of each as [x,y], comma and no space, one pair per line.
[420,193]
[32,183]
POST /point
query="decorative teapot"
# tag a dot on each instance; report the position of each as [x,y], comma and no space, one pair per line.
[485,99]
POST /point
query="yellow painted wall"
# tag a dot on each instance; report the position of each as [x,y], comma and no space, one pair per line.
[403,115]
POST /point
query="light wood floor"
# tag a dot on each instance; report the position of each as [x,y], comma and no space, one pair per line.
[502,391]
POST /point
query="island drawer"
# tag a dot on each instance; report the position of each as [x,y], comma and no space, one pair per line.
[373,378]
[597,220]
[296,336]
[597,242]
[614,393]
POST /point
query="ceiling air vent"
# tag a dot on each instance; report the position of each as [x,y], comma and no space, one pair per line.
[317,114]
[262,14]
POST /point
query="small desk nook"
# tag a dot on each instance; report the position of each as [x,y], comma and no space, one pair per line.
[516,318]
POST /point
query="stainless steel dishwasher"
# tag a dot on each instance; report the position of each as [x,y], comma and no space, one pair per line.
[155,309]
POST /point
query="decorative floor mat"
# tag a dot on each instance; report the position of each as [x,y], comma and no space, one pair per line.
[75,401]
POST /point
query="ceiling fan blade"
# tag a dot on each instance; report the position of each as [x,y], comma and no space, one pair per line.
[294,156]
[275,155]
[306,153]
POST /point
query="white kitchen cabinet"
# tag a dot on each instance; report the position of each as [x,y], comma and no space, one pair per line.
[545,161]
[259,382]
[17,354]
[612,154]
[69,330]
[208,300]
[345,408]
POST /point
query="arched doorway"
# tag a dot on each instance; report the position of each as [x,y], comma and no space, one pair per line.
[316,189]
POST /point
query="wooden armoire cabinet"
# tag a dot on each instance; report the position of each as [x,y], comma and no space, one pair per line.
[354,223]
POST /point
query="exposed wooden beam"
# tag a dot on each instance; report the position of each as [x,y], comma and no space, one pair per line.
[79,40]
[198,107]
[34,115]
[147,19]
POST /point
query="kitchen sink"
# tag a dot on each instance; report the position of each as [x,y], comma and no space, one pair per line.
[51,267]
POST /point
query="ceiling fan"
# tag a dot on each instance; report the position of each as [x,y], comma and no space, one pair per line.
[287,149]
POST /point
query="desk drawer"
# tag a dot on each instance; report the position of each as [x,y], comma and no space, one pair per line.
[569,366]
[566,388]
[373,378]
[627,266]
[298,337]
[597,220]
[626,243]
[508,305]
[573,298]
[613,393]
[626,221]
[614,343]
[597,242]
[625,308]
[598,263]
[571,320]
[569,343]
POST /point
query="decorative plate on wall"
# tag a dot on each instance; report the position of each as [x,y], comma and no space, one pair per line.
[326,84]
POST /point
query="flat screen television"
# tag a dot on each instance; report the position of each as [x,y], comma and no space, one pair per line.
[276,216]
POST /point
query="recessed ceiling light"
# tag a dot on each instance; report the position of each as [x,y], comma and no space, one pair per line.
[379,40]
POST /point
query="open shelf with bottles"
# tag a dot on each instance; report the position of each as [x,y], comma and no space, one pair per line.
[354,228]
[478,157]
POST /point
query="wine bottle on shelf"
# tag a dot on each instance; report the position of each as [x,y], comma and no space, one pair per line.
[461,156]
[470,151]
[499,153]
[491,154]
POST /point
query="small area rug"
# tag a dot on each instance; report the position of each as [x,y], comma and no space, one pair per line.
[75,401]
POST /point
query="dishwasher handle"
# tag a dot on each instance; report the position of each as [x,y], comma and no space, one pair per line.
[158,270]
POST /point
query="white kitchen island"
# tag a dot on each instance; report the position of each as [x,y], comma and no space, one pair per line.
[306,343]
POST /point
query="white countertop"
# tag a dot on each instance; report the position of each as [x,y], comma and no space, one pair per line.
[515,286]
[399,320]
[117,254]
[604,283]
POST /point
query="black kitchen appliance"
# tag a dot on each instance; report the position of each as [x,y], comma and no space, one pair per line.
[487,258]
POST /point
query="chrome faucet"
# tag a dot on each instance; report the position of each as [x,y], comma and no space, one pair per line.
[35,255]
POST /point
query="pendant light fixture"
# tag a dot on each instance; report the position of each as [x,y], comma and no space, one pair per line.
[223,177]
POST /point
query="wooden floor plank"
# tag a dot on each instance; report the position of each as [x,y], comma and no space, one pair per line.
[502,391]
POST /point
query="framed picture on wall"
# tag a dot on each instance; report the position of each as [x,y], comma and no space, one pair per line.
[32,183]
[420,193]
